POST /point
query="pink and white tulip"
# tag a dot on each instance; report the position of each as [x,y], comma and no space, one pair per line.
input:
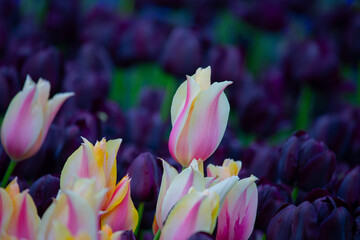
[195,212]
[237,216]
[28,118]
[69,217]
[99,162]
[199,115]
[18,214]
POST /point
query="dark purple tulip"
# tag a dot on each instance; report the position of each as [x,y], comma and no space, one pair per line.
[256,113]
[201,236]
[351,37]
[43,191]
[9,86]
[182,53]
[61,20]
[113,120]
[271,198]
[324,218]
[145,174]
[305,162]
[227,63]
[95,57]
[349,188]
[280,226]
[127,235]
[141,41]
[262,160]
[341,132]
[126,155]
[47,64]
[151,99]
[144,128]
[99,26]
[265,14]
[313,62]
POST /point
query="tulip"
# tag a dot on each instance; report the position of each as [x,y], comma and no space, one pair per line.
[99,162]
[69,216]
[175,186]
[324,218]
[28,119]
[18,214]
[228,169]
[199,115]
[237,216]
[195,212]
[349,188]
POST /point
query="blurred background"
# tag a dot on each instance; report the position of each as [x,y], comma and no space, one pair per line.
[294,66]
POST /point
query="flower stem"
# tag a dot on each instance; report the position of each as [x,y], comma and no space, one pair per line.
[157,236]
[8,173]
[302,119]
[295,194]
[140,211]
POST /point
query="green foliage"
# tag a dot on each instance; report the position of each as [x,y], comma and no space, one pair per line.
[127,84]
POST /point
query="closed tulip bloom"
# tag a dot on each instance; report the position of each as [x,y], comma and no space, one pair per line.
[237,216]
[195,212]
[199,115]
[18,214]
[28,119]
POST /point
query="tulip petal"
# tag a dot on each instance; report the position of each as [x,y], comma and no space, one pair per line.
[169,173]
[208,121]
[222,188]
[195,212]
[6,210]
[202,77]
[123,216]
[237,217]
[119,194]
[179,187]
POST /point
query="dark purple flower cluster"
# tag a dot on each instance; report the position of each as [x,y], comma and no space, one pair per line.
[295,118]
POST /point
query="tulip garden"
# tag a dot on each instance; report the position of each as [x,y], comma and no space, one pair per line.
[179,119]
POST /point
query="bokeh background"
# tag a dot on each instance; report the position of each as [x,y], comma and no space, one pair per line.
[294,66]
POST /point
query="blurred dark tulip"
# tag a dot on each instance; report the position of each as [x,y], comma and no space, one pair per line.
[113,120]
[9,11]
[351,38]
[9,86]
[47,64]
[227,63]
[257,114]
[43,191]
[145,173]
[265,14]
[61,20]
[313,62]
[324,218]
[95,57]
[99,25]
[341,133]
[305,162]
[151,99]
[141,41]
[349,188]
[357,220]
[126,155]
[24,41]
[229,147]
[127,235]
[201,236]
[144,128]
[262,160]
[271,198]
[182,53]
[78,124]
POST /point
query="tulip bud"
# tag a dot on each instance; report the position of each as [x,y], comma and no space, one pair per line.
[182,52]
[306,161]
[29,114]
[281,224]
[146,177]
[43,191]
[349,189]
[199,115]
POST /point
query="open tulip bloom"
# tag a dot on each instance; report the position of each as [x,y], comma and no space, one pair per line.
[91,204]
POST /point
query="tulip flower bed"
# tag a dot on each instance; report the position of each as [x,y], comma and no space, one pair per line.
[179,119]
